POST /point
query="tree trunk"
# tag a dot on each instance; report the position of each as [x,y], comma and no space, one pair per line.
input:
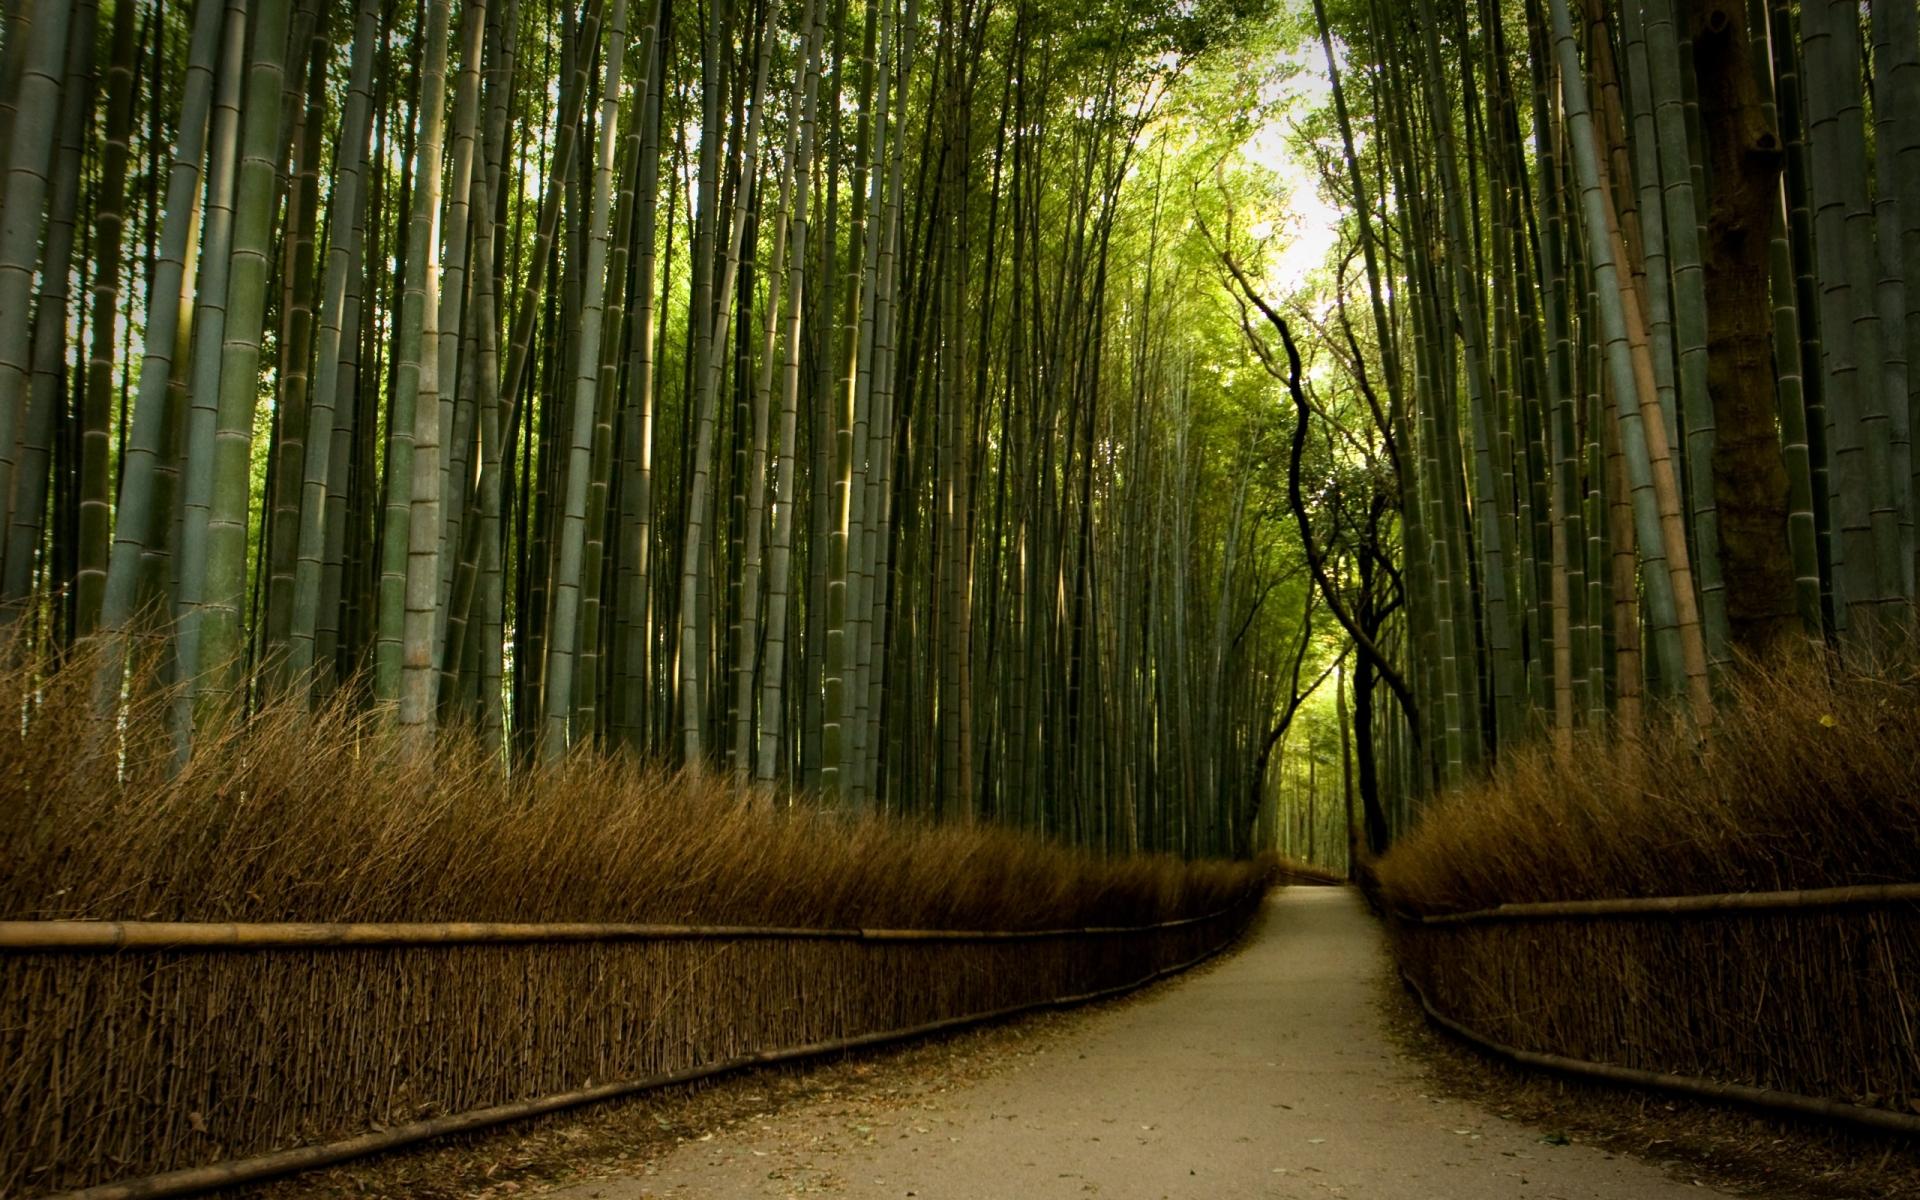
[1749,473]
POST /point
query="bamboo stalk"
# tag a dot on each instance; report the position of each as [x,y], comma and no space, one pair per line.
[1862,895]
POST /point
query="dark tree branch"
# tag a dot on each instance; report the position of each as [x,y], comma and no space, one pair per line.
[1303,413]
[1296,696]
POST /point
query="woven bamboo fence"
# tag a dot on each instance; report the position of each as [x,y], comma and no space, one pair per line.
[1804,1001]
[129,1050]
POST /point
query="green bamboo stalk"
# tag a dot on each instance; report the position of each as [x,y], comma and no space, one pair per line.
[23,212]
[403,658]
[1652,281]
[589,711]
[1680,207]
[16,20]
[563,634]
[1871,564]
[1490,511]
[25,545]
[222,643]
[343,262]
[1784,43]
[871,629]
[789,215]
[1896,138]
[1569,583]
[469,656]
[335,634]
[1446,503]
[836,604]
[456,381]
[294,400]
[142,522]
[476,585]
[96,499]
[1655,499]
[694,605]
[773,723]
[1803,535]
[635,637]
[202,421]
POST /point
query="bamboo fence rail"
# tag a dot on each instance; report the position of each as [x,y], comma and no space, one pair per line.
[292,935]
[1811,899]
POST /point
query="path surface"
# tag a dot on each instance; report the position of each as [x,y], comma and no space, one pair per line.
[1268,1075]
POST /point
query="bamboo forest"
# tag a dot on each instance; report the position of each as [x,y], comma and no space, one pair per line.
[553,551]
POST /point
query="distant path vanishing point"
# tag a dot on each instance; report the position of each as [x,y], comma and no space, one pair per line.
[1267,1075]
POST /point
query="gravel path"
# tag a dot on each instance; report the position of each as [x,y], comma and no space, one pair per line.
[1266,1075]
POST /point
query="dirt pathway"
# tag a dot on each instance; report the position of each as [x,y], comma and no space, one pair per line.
[1267,1075]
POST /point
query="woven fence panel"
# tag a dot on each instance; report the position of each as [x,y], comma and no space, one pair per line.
[129,1064]
[1823,1004]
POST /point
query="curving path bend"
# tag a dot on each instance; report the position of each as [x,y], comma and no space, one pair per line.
[1267,1075]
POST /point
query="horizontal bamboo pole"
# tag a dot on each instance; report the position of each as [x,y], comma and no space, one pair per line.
[1765,1099]
[195,1180]
[1862,896]
[43,936]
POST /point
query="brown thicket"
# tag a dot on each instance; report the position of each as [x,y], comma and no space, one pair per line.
[1811,779]
[323,818]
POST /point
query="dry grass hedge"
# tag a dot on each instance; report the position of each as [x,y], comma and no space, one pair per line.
[1811,779]
[118,1065]
[329,818]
